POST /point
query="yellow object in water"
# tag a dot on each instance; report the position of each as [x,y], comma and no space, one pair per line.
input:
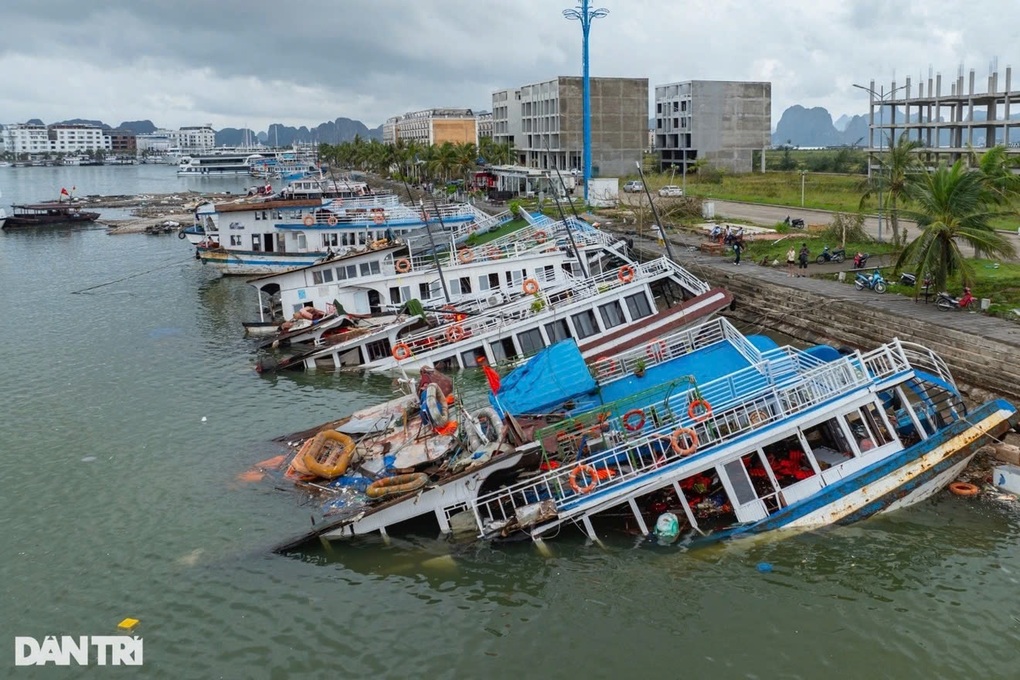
[128,624]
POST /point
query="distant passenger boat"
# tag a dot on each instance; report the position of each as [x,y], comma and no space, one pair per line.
[45,214]
[236,163]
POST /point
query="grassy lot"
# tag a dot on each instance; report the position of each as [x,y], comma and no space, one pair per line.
[511,226]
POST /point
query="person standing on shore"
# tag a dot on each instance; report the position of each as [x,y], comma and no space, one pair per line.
[737,247]
[791,257]
[804,255]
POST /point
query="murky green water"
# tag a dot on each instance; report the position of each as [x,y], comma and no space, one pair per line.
[120,500]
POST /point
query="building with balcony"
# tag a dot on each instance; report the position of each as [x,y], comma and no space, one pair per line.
[544,123]
[65,138]
[123,142]
[196,138]
[721,122]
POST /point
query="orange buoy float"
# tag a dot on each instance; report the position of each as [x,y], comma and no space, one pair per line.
[626,273]
[706,410]
[401,351]
[396,485]
[331,221]
[540,236]
[328,455]
[629,422]
[690,434]
[403,265]
[587,470]
[308,220]
[466,255]
[379,218]
[965,489]
[530,286]
[455,333]
[757,417]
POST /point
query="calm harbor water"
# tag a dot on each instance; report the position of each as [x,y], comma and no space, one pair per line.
[130,409]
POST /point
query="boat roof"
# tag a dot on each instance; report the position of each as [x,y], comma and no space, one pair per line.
[49,206]
[353,255]
[265,205]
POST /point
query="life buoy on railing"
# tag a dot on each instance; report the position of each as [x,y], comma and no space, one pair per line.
[331,221]
[379,218]
[587,470]
[689,433]
[530,286]
[401,351]
[308,220]
[181,234]
[706,410]
[656,351]
[455,333]
[626,273]
[403,265]
[757,417]
[433,403]
[629,422]
[541,236]
[466,255]
[964,489]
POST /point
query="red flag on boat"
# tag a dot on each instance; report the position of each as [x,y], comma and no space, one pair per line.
[63,192]
[492,377]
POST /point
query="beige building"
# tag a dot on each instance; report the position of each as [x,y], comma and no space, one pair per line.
[544,123]
[433,126]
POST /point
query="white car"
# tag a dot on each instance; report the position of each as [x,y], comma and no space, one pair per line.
[671,190]
[633,186]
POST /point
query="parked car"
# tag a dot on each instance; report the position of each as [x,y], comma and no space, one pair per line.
[671,190]
[633,186]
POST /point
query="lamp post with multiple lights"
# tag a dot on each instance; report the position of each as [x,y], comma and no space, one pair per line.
[880,96]
[583,14]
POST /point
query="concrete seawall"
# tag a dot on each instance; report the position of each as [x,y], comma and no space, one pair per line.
[982,352]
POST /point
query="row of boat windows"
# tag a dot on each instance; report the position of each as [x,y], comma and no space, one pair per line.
[458,286]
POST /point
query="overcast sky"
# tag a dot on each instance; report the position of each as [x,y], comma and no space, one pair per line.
[301,62]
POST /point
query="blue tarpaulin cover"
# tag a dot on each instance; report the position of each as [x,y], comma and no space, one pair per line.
[556,373]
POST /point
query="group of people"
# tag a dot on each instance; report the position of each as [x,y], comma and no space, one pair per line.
[792,256]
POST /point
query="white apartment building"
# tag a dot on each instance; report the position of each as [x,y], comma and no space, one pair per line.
[31,138]
[196,138]
[432,126]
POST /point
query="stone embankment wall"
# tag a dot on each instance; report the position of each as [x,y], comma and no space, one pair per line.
[983,367]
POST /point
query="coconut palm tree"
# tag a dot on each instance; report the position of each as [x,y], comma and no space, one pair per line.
[898,169]
[951,206]
[1000,182]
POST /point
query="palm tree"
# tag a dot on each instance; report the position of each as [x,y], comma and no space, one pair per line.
[952,206]
[898,169]
[997,167]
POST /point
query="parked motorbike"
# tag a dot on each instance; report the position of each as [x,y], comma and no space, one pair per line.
[861,260]
[945,301]
[875,282]
[796,223]
[831,256]
[907,279]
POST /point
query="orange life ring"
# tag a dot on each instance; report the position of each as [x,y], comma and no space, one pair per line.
[626,273]
[630,424]
[401,351]
[403,265]
[757,417]
[379,218]
[308,220]
[656,351]
[964,489]
[705,414]
[577,472]
[530,286]
[455,333]
[674,441]
[331,221]
[466,255]
[541,236]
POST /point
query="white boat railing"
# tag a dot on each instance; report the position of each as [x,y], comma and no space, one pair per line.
[785,383]
[380,211]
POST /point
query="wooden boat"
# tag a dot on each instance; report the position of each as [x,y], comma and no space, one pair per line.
[45,214]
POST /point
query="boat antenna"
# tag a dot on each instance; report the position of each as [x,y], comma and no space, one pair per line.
[428,230]
[655,213]
[563,218]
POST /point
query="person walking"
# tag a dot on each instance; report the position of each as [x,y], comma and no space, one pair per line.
[804,255]
[791,257]
[737,247]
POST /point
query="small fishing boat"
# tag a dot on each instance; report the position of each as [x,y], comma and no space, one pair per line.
[47,214]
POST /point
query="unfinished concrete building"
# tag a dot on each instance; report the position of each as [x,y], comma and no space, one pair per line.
[721,122]
[544,123]
[947,124]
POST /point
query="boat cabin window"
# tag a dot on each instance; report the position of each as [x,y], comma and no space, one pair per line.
[461,286]
[638,306]
[330,240]
[557,330]
[503,350]
[257,215]
[369,268]
[322,276]
[515,278]
[612,314]
[488,281]
[256,242]
[877,424]
[585,324]
[530,341]
[546,274]
[348,272]
[235,239]
[470,357]
[788,461]
[424,291]
[435,289]
[400,294]
[869,431]
[828,443]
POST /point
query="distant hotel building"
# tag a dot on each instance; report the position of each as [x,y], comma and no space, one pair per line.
[543,122]
[191,139]
[433,126]
[721,122]
[31,138]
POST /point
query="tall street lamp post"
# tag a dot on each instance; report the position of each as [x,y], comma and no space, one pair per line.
[880,96]
[584,15]
[803,174]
